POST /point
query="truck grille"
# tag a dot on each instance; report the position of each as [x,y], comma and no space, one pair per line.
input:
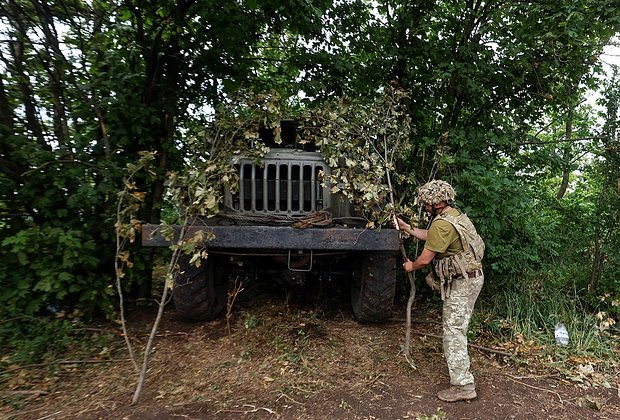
[281,187]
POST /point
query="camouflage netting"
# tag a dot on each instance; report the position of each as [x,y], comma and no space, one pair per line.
[435,191]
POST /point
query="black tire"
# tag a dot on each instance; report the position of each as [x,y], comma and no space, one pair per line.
[200,293]
[373,287]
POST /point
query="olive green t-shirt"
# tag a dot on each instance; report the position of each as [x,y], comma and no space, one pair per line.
[443,238]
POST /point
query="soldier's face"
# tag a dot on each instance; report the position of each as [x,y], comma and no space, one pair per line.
[432,210]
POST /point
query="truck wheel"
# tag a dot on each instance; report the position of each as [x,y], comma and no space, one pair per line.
[373,288]
[200,293]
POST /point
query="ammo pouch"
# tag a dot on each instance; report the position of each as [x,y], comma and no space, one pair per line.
[432,281]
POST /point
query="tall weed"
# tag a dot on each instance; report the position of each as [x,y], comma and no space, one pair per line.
[532,312]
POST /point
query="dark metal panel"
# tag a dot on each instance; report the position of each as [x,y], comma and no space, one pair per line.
[276,237]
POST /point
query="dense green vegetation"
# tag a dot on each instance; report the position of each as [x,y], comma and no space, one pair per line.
[496,96]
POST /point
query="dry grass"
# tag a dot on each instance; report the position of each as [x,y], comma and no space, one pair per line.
[293,357]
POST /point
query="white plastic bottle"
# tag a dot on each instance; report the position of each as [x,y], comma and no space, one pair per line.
[561,334]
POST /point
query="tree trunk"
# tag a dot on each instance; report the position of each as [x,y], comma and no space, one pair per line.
[564,184]
[27,95]
[597,263]
[8,167]
[567,154]
[56,69]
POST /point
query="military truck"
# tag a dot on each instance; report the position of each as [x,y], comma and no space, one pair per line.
[284,224]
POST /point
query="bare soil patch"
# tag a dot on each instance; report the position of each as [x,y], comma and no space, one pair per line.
[300,355]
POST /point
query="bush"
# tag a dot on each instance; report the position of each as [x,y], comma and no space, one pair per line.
[53,266]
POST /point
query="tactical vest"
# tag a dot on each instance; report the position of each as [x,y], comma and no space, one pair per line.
[470,259]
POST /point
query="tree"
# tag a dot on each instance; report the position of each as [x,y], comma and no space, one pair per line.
[606,236]
[88,87]
[482,75]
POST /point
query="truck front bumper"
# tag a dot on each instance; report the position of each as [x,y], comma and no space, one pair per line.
[276,237]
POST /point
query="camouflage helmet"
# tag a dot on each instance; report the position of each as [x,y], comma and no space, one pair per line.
[435,191]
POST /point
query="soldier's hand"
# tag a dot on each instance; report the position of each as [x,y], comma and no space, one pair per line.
[402,225]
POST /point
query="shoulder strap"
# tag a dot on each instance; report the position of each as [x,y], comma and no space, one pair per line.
[467,232]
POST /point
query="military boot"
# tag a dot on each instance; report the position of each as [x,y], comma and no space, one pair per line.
[458,393]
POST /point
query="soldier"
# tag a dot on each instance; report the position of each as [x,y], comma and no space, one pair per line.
[456,250]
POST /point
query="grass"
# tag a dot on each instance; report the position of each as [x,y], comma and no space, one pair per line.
[528,315]
[41,350]
[535,316]
[438,415]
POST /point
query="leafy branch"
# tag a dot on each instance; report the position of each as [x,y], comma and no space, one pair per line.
[127,226]
[359,141]
[197,192]
[368,138]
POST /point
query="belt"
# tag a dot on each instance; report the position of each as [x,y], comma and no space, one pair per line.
[474,274]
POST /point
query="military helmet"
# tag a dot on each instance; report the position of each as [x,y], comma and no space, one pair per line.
[436,191]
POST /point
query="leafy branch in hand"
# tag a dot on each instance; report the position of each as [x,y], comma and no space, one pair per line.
[360,142]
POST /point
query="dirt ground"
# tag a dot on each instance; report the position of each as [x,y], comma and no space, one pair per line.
[295,356]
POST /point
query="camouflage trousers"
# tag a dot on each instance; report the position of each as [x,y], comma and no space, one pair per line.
[457,311]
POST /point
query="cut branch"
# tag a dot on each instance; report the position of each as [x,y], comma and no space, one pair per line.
[475,346]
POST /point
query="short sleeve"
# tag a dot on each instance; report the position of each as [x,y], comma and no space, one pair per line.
[440,236]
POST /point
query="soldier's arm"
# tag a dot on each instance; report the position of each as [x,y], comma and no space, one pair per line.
[421,234]
[418,233]
[422,261]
